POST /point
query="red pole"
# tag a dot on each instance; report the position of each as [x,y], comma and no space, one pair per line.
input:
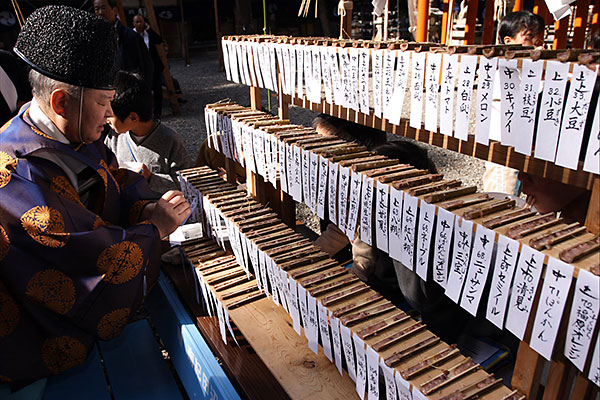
[422,20]
[471,21]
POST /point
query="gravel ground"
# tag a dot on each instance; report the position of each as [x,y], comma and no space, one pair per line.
[202,83]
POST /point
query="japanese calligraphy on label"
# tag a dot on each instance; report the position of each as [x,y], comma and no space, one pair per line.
[479,266]
[592,157]
[504,268]
[333,184]
[463,232]
[394,110]
[449,74]
[443,235]
[485,86]
[530,87]
[468,65]
[361,366]
[425,230]
[343,190]
[354,204]
[395,224]
[377,56]
[416,89]
[373,373]
[366,211]
[432,86]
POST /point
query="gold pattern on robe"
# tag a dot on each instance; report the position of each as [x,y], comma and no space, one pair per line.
[4,243]
[62,353]
[5,126]
[7,166]
[98,222]
[9,313]
[45,225]
[53,289]
[135,212]
[63,187]
[104,173]
[120,262]
[111,324]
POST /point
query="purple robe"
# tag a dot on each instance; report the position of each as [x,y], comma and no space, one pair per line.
[71,270]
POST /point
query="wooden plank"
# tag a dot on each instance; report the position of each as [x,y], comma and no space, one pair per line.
[85,381]
[583,388]
[255,103]
[133,360]
[557,379]
[488,23]
[303,374]
[528,371]
[592,220]
[580,23]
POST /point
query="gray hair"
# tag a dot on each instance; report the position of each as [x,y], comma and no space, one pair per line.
[43,86]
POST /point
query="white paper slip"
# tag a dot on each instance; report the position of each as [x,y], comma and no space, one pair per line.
[424,233]
[297,171]
[394,110]
[531,78]
[582,318]
[551,110]
[463,232]
[300,70]
[389,62]
[268,156]
[363,80]
[314,179]
[316,74]
[290,169]
[377,56]
[294,307]
[372,373]
[306,197]
[322,187]
[308,85]
[485,86]
[366,210]
[443,236]
[274,164]
[251,65]
[504,268]
[381,215]
[256,61]
[432,86]
[345,76]
[224,46]
[449,74]
[335,75]
[303,309]
[410,206]
[592,156]
[343,189]
[354,66]
[292,81]
[403,387]
[333,185]
[324,329]
[361,366]
[312,324]
[527,277]
[468,65]
[479,266]
[395,224]
[354,204]
[594,374]
[272,279]
[233,62]
[390,382]
[326,72]
[416,90]
[575,116]
[273,62]
[555,288]
[348,351]
[284,288]
[222,327]
[337,341]
[281,67]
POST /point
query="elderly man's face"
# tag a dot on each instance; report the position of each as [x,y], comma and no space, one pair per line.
[95,111]
[104,10]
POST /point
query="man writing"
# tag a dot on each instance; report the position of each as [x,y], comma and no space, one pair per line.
[79,245]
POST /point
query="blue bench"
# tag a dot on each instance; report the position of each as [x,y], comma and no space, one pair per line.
[133,364]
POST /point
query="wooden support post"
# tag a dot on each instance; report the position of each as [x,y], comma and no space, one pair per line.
[163,57]
[528,371]
[583,388]
[445,19]
[561,28]
[580,23]
[592,220]
[471,22]
[255,101]
[518,6]
[219,36]
[186,49]
[488,23]
[422,20]
[346,20]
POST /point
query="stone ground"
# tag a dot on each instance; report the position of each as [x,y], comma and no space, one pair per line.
[202,83]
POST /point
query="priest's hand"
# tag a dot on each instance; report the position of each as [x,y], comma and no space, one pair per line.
[170,211]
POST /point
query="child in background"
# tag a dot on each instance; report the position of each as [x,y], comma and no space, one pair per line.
[141,143]
[520,27]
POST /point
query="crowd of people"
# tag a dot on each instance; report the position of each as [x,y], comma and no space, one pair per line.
[88,189]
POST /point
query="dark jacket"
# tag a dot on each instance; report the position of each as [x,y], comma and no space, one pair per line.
[133,53]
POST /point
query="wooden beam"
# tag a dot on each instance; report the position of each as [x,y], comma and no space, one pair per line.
[422,20]
[592,220]
[580,23]
[488,23]
[471,21]
[528,371]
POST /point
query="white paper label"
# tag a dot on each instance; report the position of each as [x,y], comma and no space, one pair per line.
[510,84]
[363,80]
[504,268]
[326,75]
[530,88]
[463,232]
[388,78]
[395,224]
[313,324]
[409,221]
[468,65]
[394,111]
[390,382]
[449,74]
[425,230]
[297,173]
[324,329]
[335,75]
[314,179]
[344,188]
[381,217]
[353,83]
[479,267]
[403,387]
[443,236]
[366,211]
[555,288]
[416,90]
[592,157]
[377,56]
[348,351]
[432,86]
[594,375]
[337,341]
[300,69]
[373,373]
[551,110]
[353,206]
[527,277]
[485,95]
[333,184]
[306,178]
[323,172]
[583,318]
[303,309]
[361,366]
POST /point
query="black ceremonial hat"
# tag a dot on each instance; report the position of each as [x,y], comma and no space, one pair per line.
[69,45]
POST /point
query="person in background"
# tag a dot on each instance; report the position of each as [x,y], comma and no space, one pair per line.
[152,39]
[14,87]
[332,240]
[156,150]
[79,238]
[132,53]
[528,29]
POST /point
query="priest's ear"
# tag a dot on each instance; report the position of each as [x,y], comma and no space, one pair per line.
[60,103]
